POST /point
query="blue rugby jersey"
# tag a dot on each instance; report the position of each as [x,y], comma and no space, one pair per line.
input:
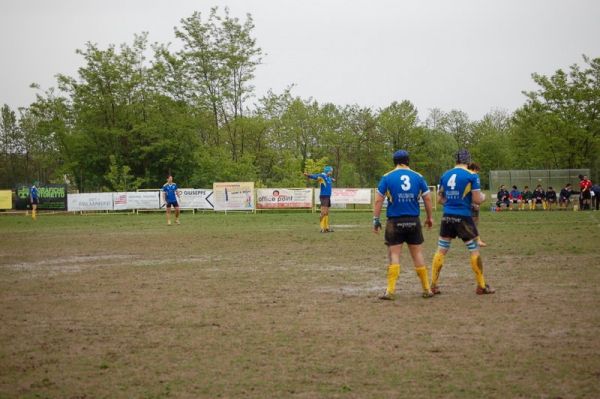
[325,181]
[402,187]
[171,192]
[457,186]
[33,192]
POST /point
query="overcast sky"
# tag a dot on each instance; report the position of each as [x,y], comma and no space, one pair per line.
[471,55]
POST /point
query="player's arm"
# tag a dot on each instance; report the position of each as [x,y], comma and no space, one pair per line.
[441,196]
[428,210]
[478,197]
[377,212]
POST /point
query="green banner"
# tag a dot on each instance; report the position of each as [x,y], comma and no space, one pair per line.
[51,197]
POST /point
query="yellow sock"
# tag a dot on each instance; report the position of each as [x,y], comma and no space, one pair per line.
[436,267]
[392,276]
[322,222]
[477,267]
[326,222]
[422,273]
[33,215]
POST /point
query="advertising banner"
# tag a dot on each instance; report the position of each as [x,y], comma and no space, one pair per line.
[273,198]
[136,200]
[233,196]
[5,199]
[51,197]
[348,196]
[191,198]
[90,202]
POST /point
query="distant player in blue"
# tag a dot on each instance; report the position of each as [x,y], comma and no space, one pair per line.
[326,182]
[170,194]
[403,187]
[34,200]
[459,189]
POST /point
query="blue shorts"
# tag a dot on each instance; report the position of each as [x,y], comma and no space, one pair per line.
[173,204]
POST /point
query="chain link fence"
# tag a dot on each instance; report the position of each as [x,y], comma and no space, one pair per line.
[555,178]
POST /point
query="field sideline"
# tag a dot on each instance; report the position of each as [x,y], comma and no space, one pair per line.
[264,306]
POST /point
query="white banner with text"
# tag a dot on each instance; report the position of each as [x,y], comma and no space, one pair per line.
[273,198]
[90,202]
[233,196]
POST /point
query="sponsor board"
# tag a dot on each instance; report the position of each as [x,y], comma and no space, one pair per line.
[51,197]
[271,198]
[234,196]
[136,200]
[90,202]
[348,196]
[5,199]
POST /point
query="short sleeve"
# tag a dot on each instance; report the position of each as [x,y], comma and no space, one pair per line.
[382,187]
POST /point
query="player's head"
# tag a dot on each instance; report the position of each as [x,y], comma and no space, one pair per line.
[463,157]
[502,187]
[568,185]
[514,187]
[580,177]
[401,157]
[550,188]
[328,170]
[170,178]
[526,188]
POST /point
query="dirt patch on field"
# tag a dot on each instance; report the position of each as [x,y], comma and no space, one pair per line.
[259,306]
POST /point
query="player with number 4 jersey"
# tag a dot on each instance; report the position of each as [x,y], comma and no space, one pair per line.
[459,189]
[403,188]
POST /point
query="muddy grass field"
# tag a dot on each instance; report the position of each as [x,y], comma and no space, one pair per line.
[264,306]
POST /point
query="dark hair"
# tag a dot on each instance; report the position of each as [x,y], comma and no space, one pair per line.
[514,187]
[580,177]
[463,156]
[474,166]
[401,158]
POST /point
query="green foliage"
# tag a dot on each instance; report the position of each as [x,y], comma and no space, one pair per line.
[126,121]
[561,120]
[120,178]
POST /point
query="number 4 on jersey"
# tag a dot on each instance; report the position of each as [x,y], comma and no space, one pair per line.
[452,181]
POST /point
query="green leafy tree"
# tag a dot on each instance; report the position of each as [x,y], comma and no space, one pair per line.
[559,126]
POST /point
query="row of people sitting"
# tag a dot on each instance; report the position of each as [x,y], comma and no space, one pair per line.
[526,199]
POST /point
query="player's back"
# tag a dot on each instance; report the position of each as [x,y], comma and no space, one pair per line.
[457,185]
[403,187]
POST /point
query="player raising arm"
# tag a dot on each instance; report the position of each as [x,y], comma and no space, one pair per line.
[326,182]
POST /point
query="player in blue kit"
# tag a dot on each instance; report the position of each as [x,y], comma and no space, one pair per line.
[170,194]
[326,183]
[34,200]
[403,187]
[459,188]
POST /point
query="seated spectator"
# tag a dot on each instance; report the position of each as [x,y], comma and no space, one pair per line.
[526,198]
[551,199]
[596,193]
[515,198]
[539,197]
[564,198]
[503,198]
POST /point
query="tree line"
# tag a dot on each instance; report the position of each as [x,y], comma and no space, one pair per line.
[138,112]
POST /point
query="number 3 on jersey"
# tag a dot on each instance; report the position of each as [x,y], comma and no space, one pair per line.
[405,182]
[452,181]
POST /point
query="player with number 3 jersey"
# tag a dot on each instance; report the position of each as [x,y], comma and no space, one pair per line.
[403,188]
